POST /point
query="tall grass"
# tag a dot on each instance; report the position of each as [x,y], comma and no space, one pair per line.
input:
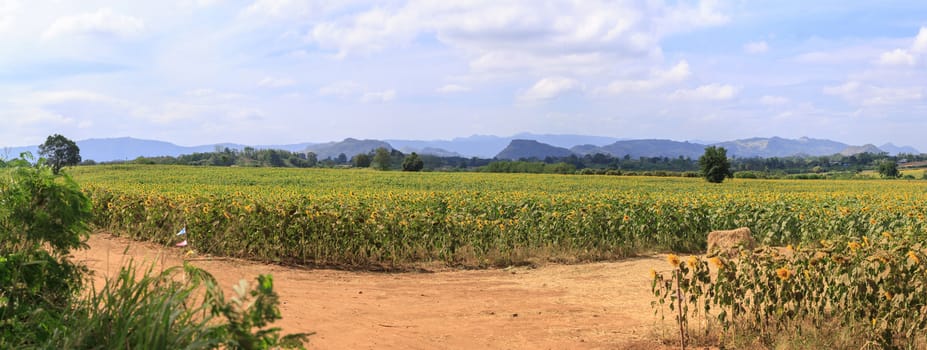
[181,307]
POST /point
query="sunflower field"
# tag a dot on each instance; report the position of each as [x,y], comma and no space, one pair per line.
[364,217]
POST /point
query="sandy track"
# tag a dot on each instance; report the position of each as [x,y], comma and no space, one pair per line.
[588,306]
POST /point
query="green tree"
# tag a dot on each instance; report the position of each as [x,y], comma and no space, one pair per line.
[381,159]
[361,160]
[312,159]
[714,164]
[59,151]
[412,163]
[42,218]
[889,169]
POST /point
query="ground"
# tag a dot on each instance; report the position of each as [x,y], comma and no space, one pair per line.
[586,306]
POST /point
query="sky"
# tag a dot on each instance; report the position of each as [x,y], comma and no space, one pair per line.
[196,72]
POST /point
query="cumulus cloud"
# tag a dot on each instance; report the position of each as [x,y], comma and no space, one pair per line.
[757,47]
[920,41]
[676,74]
[906,57]
[379,96]
[452,88]
[715,92]
[897,57]
[493,32]
[549,88]
[770,100]
[103,22]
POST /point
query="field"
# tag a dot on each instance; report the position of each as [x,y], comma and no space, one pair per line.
[369,218]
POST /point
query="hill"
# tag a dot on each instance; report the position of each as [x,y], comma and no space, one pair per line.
[781,147]
[895,150]
[646,148]
[349,147]
[531,149]
[854,150]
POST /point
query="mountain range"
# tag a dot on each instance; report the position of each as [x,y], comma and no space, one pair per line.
[518,146]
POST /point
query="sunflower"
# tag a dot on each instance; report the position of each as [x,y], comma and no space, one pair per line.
[673,260]
[783,273]
[716,261]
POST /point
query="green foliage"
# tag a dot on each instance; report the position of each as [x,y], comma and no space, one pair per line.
[412,162]
[528,167]
[889,169]
[381,159]
[60,151]
[42,218]
[178,308]
[250,312]
[714,164]
[361,160]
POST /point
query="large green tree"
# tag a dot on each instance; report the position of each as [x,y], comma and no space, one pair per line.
[59,151]
[715,165]
[889,169]
[412,163]
[361,160]
[381,159]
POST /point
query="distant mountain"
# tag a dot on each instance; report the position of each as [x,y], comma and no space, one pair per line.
[780,147]
[895,150]
[647,148]
[528,149]
[486,146]
[854,150]
[350,147]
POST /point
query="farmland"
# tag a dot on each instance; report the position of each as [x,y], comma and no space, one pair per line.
[363,217]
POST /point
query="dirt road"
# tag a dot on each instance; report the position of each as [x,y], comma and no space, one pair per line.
[588,306]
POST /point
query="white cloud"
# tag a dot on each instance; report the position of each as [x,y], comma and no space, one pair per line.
[549,88]
[920,41]
[897,57]
[8,12]
[547,36]
[452,88]
[756,47]
[379,96]
[276,8]
[707,92]
[770,100]
[271,82]
[906,57]
[676,74]
[102,22]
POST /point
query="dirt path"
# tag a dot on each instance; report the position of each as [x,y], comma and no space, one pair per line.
[589,306]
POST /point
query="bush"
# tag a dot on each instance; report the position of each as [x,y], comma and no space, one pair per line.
[746,175]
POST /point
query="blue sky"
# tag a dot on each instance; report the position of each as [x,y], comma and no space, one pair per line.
[286,71]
